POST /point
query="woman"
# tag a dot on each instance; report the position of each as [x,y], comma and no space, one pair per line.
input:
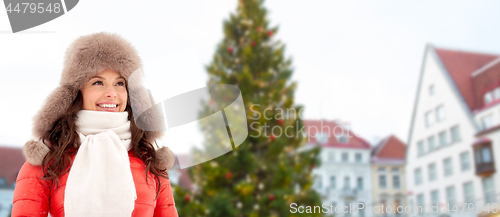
[89,157]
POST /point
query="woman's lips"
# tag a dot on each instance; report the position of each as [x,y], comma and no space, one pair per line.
[107,107]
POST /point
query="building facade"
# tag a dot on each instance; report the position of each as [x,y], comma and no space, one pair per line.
[446,129]
[343,179]
[388,177]
[11,161]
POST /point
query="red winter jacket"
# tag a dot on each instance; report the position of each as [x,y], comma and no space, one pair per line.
[33,196]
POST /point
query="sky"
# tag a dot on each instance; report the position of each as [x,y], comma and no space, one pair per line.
[354,61]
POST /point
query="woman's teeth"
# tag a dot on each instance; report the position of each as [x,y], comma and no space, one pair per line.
[107,105]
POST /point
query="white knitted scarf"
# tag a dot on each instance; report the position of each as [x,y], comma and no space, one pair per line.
[100,181]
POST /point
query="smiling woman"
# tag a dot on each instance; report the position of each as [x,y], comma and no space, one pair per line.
[89,158]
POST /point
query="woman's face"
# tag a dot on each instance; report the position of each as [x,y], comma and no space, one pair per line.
[105,92]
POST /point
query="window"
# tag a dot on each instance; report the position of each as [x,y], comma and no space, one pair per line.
[428,119]
[318,182]
[496,93]
[397,203]
[333,182]
[381,169]
[418,176]
[420,202]
[486,154]
[477,153]
[345,157]
[448,169]
[432,172]
[395,169]
[421,148]
[322,138]
[434,197]
[362,211]
[450,196]
[431,89]
[440,113]
[382,182]
[396,182]
[465,161]
[331,156]
[483,155]
[469,192]
[383,202]
[358,158]
[347,182]
[443,138]
[489,190]
[431,143]
[360,183]
[342,138]
[487,121]
[455,134]
[3,181]
[488,97]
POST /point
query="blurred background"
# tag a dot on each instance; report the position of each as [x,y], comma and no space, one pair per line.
[416,85]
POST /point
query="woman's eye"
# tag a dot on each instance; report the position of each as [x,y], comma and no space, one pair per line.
[121,83]
[97,82]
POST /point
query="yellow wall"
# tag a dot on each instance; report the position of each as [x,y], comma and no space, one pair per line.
[389,190]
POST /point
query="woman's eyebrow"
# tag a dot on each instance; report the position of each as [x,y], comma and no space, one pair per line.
[97,76]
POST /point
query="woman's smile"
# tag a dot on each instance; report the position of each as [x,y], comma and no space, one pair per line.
[107,106]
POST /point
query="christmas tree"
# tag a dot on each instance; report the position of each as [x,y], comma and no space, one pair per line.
[266,173]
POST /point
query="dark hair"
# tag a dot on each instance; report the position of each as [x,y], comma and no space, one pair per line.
[65,142]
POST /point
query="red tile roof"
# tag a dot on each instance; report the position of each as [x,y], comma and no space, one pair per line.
[460,66]
[389,148]
[332,128]
[485,80]
[11,160]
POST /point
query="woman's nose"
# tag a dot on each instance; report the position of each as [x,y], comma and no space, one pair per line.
[110,92]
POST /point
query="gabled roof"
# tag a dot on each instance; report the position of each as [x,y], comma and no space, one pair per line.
[390,148]
[11,161]
[332,128]
[458,68]
[461,65]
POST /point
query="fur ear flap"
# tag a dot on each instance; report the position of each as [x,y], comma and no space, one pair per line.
[54,107]
[165,158]
[35,151]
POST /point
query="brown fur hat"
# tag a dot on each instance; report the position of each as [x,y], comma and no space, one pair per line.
[87,56]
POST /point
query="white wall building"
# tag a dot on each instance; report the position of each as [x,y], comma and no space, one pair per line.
[440,159]
[344,176]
